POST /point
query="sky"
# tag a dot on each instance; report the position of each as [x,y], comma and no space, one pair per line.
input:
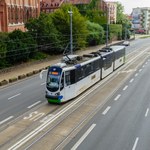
[129,4]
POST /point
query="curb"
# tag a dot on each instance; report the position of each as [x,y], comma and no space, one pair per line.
[20,77]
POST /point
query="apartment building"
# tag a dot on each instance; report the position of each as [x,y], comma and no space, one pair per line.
[141,19]
[15,13]
[112,11]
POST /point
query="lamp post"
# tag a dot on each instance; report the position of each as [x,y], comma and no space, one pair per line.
[71,47]
[107,25]
[125,33]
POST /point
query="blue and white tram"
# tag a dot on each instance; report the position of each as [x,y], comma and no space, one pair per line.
[65,81]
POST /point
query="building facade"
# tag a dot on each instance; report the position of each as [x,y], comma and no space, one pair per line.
[112,11]
[15,13]
[145,19]
[49,6]
[141,19]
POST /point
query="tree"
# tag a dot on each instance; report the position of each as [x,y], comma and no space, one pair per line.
[3,49]
[96,34]
[120,15]
[96,16]
[124,20]
[61,20]
[20,46]
[45,33]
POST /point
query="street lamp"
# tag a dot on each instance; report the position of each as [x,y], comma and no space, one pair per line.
[71,47]
[108,21]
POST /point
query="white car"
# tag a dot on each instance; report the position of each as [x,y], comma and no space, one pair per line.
[126,43]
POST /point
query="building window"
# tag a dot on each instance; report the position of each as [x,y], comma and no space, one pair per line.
[16,14]
[9,15]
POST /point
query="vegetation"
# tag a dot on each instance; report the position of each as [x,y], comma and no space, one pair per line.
[61,19]
[124,21]
[49,34]
[20,47]
[96,34]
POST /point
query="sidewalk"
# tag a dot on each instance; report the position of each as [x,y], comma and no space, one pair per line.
[28,69]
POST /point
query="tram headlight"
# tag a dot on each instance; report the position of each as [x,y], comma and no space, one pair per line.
[57,93]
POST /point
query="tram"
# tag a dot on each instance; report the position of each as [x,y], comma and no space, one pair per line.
[74,74]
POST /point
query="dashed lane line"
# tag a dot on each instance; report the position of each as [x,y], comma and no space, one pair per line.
[135,144]
[117,97]
[14,96]
[131,80]
[83,137]
[147,111]
[136,74]
[34,104]
[106,110]
[125,87]
[3,121]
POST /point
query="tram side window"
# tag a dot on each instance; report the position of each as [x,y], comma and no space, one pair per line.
[89,69]
[120,53]
[67,78]
[62,82]
[70,77]
[80,73]
[107,62]
[96,65]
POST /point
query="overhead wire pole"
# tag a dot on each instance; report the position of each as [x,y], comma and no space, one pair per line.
[71,39]
[107,26]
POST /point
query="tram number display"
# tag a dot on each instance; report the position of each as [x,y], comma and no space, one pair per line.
[54,73]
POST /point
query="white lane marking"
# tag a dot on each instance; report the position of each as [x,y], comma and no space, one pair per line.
[146,114]
[3,121]
[136,74]
[14,96]
[49,121]
[106,110]
[43,83]
[83,137]
[140,70]
[146,63]
[125,87]
[34,104]
[117,97]
[131,80]
[143,66]
[135,143]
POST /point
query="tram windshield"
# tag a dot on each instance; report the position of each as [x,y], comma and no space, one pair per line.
[53,78]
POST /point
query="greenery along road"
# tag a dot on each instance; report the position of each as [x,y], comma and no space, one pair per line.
[50,33]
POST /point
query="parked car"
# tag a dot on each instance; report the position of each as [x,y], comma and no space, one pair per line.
[126,43]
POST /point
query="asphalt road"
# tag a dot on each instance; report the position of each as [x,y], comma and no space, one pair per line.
[123,122]
[22,96]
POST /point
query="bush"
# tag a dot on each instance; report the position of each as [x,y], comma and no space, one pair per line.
[3,50]
[20,47]
[96,34]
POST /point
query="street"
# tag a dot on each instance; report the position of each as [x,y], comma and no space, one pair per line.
[113,114]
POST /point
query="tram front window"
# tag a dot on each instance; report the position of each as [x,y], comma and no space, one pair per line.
[53,83]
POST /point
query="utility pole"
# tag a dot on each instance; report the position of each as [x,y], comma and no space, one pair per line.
[107,26]
[125,33]
[71,47]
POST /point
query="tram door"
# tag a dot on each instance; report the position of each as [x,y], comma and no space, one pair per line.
[69,87]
